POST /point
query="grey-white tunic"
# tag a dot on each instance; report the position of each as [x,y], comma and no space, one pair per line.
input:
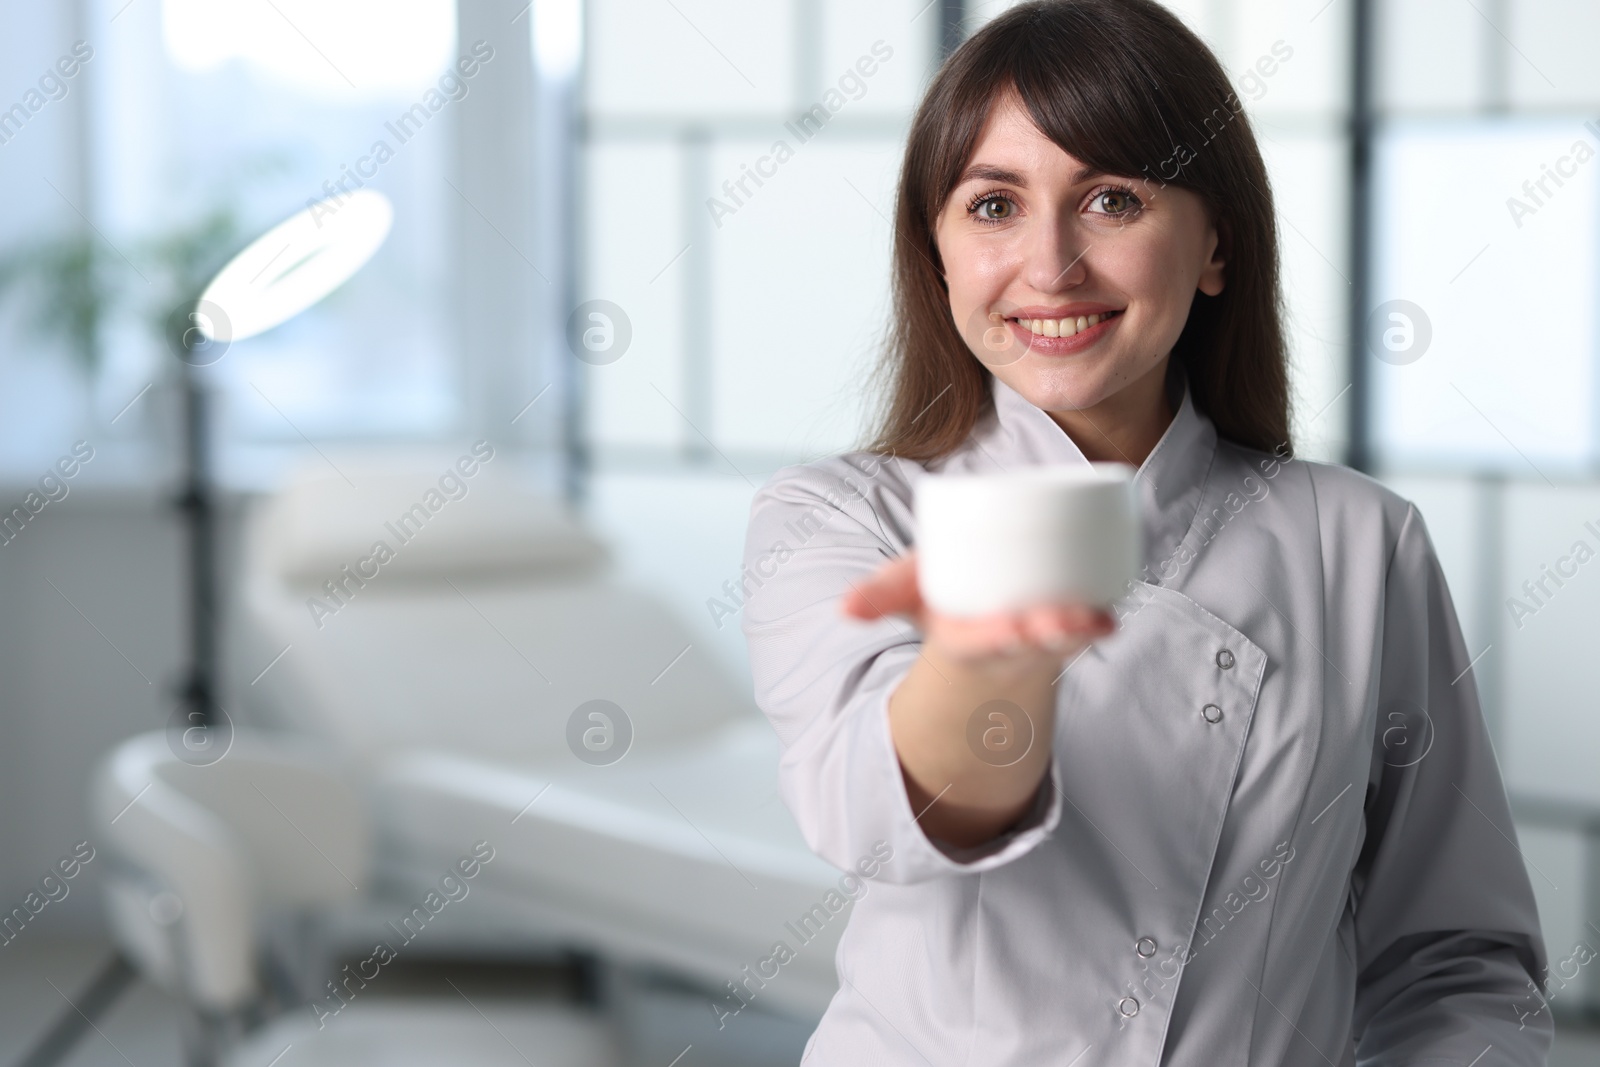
[1325,874]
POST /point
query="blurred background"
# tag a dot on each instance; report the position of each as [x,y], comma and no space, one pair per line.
[583,281]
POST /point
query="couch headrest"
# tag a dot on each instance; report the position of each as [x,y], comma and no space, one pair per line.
[420,515]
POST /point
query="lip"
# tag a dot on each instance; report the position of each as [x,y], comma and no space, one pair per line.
[1061,346]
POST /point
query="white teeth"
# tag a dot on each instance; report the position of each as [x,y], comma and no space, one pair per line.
[1063,327]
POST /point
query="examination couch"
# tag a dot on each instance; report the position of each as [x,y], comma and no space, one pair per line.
[466,645]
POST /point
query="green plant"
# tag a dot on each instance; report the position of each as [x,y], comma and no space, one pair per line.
[78,281]
[74,291]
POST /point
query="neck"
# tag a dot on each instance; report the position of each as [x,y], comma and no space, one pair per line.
[1124,427]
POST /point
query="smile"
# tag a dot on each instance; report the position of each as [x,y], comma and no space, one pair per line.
[1064,336]
[1064,327]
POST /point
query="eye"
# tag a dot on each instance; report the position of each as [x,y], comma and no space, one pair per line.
[991,207]
[1118,201]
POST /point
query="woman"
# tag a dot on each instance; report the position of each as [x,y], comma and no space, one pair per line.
[1259,820]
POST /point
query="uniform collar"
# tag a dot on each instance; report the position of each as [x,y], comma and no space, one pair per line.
[1170,482]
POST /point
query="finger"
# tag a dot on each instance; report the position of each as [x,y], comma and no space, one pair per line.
[1052,628]
[1069,621]
[978,636]
[1064,628]
[1102,620]
[891,589]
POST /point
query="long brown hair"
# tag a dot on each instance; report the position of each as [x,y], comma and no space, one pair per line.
[1125,87]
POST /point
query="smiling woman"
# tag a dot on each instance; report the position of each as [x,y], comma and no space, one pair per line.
[1053,309]
[1026,218]
[1054,115]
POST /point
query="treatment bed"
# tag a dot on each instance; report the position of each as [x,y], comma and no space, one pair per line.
[459,671]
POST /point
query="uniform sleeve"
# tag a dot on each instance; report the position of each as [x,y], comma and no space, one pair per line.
[1447,932]
[823,680]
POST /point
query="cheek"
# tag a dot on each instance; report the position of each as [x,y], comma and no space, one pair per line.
[978,271]
[978,285]
[1154,274]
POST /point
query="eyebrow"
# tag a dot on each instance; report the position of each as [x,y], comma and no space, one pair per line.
[988,172]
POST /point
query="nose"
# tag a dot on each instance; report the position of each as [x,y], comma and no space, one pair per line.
[1056,258]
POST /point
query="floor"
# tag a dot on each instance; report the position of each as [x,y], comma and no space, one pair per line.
[670,1027]
[666,1025]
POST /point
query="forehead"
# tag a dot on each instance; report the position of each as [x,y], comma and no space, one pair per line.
[1012,143]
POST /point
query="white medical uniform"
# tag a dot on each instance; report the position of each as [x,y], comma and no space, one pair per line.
[1273,830]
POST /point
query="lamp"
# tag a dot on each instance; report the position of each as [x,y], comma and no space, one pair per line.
[280,274]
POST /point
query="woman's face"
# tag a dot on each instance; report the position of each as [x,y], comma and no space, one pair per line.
[1033,247]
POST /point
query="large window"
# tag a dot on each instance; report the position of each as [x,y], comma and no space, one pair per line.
[187,128]
[1487,239]
[749,252]
[1482,361]
[1489,232]
[322,98]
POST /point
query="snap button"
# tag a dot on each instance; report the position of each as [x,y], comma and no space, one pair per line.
[1225,659]
[1212,713]
[1128,1007]
[1146,947]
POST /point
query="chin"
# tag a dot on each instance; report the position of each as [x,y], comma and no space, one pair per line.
[1057,385]
[1061,388]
